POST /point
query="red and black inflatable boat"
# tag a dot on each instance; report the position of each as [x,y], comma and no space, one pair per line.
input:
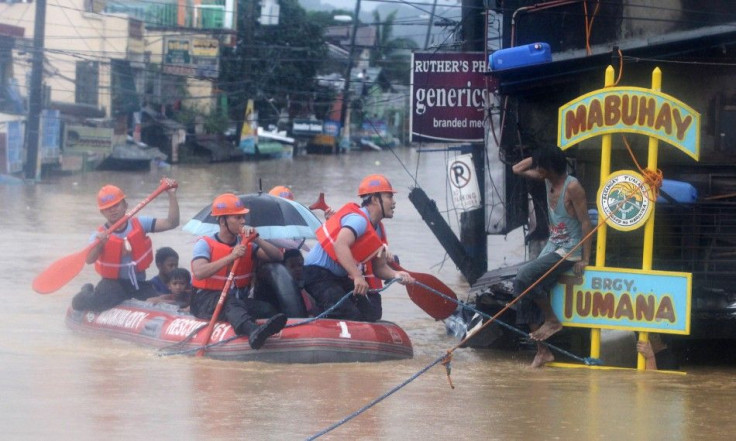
[164,327]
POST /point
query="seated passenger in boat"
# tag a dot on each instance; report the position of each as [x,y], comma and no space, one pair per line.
[123,256]
[294,263]
[167,260]
[353,236]
[214,259]
[282,191]
[180,289]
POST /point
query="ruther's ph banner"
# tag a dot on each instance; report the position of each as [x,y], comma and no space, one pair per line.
[448,96]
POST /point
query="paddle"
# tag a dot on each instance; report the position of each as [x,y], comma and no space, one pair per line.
[223,297]
[67,268]
[320,204]
[433,304]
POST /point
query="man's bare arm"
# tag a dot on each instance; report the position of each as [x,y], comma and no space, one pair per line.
[524,168]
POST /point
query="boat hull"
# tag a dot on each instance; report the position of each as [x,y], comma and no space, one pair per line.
[319,341]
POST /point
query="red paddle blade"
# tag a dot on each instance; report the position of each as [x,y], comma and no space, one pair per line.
[432,303]
[320,204]
[60,272]
[424,297]
[65,269]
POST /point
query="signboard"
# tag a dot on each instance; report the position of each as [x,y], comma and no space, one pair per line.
[83,139]
[191,56]
[14,147]
[448,96]
[248,134]
[177,51]
[374,128]
[464,183]
[306,127]
[630,110]
[629,299]
[50,142]
[331,128]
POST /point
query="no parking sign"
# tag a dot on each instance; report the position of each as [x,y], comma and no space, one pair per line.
[464,183]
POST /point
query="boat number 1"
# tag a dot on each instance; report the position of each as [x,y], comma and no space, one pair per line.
[344,333]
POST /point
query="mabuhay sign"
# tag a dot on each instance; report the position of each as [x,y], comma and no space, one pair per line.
[630,110]
[622,298]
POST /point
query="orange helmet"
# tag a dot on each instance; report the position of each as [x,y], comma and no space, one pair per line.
[108,196]
[374,184]
[228,204]
[282,192]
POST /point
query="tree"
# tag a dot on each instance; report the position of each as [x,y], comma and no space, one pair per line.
[274,65]
[392,54]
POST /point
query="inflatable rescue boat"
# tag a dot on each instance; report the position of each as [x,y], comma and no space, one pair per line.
[172,331]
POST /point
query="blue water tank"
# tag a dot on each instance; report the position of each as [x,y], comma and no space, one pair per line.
[527,55]
[682,192]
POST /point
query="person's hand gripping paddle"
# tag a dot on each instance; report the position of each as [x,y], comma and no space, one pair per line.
[421,293]
[67,268]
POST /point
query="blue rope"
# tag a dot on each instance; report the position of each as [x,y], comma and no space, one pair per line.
[377,400]
[332,308]
[590,361]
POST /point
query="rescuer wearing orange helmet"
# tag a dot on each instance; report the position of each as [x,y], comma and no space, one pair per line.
[123,256]
[212,261]
[354,235]
[282,192]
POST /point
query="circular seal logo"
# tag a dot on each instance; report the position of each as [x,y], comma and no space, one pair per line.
[625,201]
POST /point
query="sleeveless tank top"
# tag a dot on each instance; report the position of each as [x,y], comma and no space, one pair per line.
[565,231]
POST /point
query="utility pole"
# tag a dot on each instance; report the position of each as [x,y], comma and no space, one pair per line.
[344,121]
[430,24]
[35,96]
[473,234]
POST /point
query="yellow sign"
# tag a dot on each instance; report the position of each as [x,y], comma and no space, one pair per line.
[205,47]
[631,110]
[616,298]
[625,201]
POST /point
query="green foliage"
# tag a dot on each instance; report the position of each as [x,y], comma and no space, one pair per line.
[187,115]
[393,55]
[216,122]
[275,63]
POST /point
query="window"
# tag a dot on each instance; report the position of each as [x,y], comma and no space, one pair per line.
[88,82]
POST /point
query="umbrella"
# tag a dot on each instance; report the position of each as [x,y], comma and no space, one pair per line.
[274,218]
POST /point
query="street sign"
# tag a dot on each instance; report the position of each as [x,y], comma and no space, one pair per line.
[464,183]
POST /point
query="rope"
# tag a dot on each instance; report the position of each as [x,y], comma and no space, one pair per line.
[652,178]
[587,360]
[332,308]
[379,399]
[446,359]
[620,67]
[589,24]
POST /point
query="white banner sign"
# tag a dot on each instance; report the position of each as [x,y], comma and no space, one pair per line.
[464,183]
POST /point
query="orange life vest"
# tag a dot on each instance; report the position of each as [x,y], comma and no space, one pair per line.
[374,282]
[109,264]
[243,273]
[364,248]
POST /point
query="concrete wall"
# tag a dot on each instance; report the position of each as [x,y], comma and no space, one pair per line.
[74,35]
[71,35]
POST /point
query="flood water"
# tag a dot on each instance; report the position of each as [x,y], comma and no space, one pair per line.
[59,385]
